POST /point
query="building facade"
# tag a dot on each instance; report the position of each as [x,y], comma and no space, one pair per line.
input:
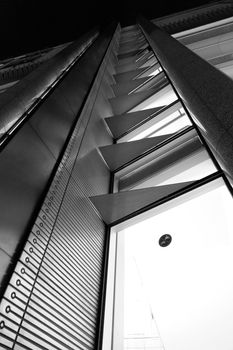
[116,188]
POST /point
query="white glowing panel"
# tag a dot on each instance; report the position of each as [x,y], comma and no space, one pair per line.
[184,290]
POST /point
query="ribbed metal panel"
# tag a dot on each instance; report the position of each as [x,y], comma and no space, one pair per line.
[52,299]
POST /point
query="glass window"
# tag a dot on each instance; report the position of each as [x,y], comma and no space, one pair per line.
[179,297]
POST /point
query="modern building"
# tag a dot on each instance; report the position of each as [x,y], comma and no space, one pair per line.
[116,170]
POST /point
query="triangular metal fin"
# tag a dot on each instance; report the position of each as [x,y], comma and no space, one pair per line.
[117,206]
[120,124]
[126,87]
[119,154]
[124,77]
[122,104]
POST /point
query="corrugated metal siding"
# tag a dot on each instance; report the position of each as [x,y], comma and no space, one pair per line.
[53,296]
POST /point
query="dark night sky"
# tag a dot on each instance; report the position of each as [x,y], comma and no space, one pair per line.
[28,25]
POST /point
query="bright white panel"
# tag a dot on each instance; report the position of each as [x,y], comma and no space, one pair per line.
[187,286]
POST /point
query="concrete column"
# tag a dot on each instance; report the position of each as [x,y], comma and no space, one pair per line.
[206,91]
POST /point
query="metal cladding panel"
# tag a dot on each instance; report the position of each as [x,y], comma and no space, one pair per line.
[29,158]
[52,121]
[52,295]
[16,100]
[52,299]
[22,182]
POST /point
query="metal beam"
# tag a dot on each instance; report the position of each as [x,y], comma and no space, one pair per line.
[206,92]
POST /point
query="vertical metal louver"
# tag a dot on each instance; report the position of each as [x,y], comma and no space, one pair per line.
[52,300]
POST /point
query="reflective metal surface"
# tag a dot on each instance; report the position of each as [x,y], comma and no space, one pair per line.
[17,101]
[205,91]
[52,298]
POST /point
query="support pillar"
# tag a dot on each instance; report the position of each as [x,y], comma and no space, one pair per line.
[206,92]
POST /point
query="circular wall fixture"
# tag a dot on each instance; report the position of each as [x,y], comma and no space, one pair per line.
[165,240]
